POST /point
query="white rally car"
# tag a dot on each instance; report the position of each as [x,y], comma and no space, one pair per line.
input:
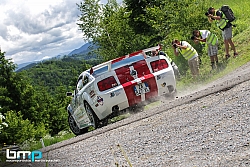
[118,84]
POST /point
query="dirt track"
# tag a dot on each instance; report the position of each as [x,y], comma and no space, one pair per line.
[209,127]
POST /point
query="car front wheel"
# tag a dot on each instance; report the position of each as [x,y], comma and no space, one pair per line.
[74,128]
[92,116]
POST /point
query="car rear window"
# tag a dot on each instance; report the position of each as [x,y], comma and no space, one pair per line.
[100,71]
[159,65]
[107,83]
[129,60]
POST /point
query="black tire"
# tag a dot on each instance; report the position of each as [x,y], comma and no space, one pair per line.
[172,95]
[103,123]
[92,116]
[74,128]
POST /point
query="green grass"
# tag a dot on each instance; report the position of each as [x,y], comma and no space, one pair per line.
[48,140]
[241,11]
[241,39]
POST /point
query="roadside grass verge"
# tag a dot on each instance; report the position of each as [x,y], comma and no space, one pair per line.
[226,66]
[241,40]
[47,140]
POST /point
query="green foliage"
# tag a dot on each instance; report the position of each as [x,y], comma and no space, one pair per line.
[141,13]
[90,18]
[2,123]
[31,109]
[117,38]
[56,73]
[47,140]
[241,10]
[19,129]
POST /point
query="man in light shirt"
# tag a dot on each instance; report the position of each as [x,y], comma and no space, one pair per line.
[189,53]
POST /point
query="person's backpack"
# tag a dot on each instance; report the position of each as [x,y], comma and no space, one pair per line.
[227,11]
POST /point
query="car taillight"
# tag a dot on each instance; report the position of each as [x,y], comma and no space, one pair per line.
[159,65]
[107,83]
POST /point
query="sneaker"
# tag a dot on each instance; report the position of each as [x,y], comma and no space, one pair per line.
[236,54]
[227,57]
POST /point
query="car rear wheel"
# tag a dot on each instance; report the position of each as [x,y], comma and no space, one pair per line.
[171,95]
[92,116]
[74,128]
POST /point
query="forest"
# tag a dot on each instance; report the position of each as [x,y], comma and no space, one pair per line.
[33,102]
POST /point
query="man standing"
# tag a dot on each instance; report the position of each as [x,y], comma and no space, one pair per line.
[189,53]
[205,36]
[226,28]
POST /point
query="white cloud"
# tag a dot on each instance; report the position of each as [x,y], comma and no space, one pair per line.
[33,29]
[37,29]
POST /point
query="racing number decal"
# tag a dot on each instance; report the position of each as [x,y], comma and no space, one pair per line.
[143,72]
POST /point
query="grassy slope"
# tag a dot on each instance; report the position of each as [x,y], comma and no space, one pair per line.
[241,38]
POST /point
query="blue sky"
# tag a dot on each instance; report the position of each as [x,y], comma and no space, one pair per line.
[38,29]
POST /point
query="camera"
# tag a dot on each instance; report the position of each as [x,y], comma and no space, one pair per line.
[193,37]
[175,45]
[207,13]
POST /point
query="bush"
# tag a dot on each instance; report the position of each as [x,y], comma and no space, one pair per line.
[19,130]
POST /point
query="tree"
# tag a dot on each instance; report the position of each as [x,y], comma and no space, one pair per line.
[19,129]
[2,123]
[6,76]
[90,18]
[16,92]
[111,30]
[18,104]
[138,18]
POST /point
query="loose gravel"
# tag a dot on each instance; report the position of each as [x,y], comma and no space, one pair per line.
[206,128]
[211,131]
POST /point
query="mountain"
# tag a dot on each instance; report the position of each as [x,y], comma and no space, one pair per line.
[83,50]
[19,66]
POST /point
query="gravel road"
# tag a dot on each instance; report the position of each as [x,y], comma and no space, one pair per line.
[209,127]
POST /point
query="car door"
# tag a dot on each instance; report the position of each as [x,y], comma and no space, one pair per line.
[78,114]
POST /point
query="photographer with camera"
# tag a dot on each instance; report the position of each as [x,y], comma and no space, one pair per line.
[205,36]
[225,26]
[189,53]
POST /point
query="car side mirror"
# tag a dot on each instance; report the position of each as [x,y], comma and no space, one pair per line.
[69,94]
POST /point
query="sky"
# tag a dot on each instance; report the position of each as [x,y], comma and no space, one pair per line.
[33,30]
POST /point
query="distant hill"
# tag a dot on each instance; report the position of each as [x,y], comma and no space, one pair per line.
[19,66]
[26,66]
[82,53]
[85,49]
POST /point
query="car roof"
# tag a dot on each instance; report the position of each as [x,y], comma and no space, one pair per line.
[120,61]
[118,64]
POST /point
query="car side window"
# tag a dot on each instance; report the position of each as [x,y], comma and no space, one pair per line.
[82,81]
[85,80]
